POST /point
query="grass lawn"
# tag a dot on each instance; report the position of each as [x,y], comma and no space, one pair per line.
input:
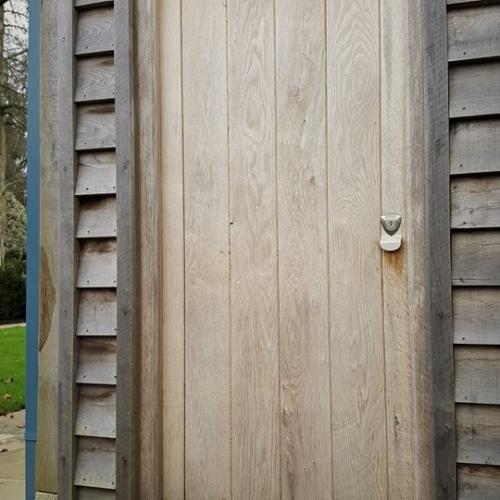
[12,368]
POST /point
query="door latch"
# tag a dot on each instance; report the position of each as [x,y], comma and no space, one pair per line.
[390,240]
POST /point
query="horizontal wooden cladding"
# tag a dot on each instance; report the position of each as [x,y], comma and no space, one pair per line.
[476,315]
[97,266]
[477,375]
[473,33]
[474,89]
[478,482]
[97,217]
[97,313]
[96,173]
[95,32]
[478,434]
[97,361]
[475,202]
[475,146]
[96,463]
[95,79]
[95,127]
[476,258]
[96,414]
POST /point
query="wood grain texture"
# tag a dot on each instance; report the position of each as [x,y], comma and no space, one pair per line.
[477,375]
[476,258]
[95,79]
[357,343]
[402,193]
[207,275]
[96,467]
[172,186]
[96,313]
[475,202]
[437,223]
[255,416]
[478,434]
[97,218]
[306,469]
[475,146]
[96,416]
[96,173]
[95,33]
[95,127]
[97,361]
[149,144]
[478,482]
[46,452]
[97,265]
[476,315]
[475,90]
[473,33]
[128,322]
[68,251]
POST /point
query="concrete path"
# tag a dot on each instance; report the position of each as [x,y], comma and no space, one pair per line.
[3,327]
[12,456]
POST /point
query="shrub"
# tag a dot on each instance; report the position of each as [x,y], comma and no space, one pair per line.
[12,288]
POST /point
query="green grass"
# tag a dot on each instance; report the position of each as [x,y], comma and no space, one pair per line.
[12,369]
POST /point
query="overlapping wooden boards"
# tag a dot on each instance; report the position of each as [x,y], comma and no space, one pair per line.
[97,218]
[474,89]
[477,375]
[473,33]
[476,315]
[96,465]
[97,264]
[96,416]
[95,79]
[475,146]
[95,32]
[475,202]
[478,482]
[474,109]
[97,313]
[95,127]
[478,434]
[96,173]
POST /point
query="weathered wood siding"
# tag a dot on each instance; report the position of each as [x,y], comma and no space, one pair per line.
[289,370]
[474,110]
[95,166]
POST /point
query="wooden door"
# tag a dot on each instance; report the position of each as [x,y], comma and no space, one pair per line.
[289,339]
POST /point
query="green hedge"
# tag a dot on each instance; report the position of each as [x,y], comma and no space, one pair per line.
[12,289]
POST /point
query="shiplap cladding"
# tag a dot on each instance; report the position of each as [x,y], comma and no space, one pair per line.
[96,266]
[474,110]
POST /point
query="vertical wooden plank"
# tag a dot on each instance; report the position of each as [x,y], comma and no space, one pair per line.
[207,250]
[172,192]
[149,398]
[357,347]
[255,423]
[127,324]
[306,461]
[436,153]
[68,250]
[47,456]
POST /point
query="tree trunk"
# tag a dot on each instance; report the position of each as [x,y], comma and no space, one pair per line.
[3,143]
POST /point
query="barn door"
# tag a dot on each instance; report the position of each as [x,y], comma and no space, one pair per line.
[288,336]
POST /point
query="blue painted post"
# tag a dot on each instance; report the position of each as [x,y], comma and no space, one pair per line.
[33,244]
